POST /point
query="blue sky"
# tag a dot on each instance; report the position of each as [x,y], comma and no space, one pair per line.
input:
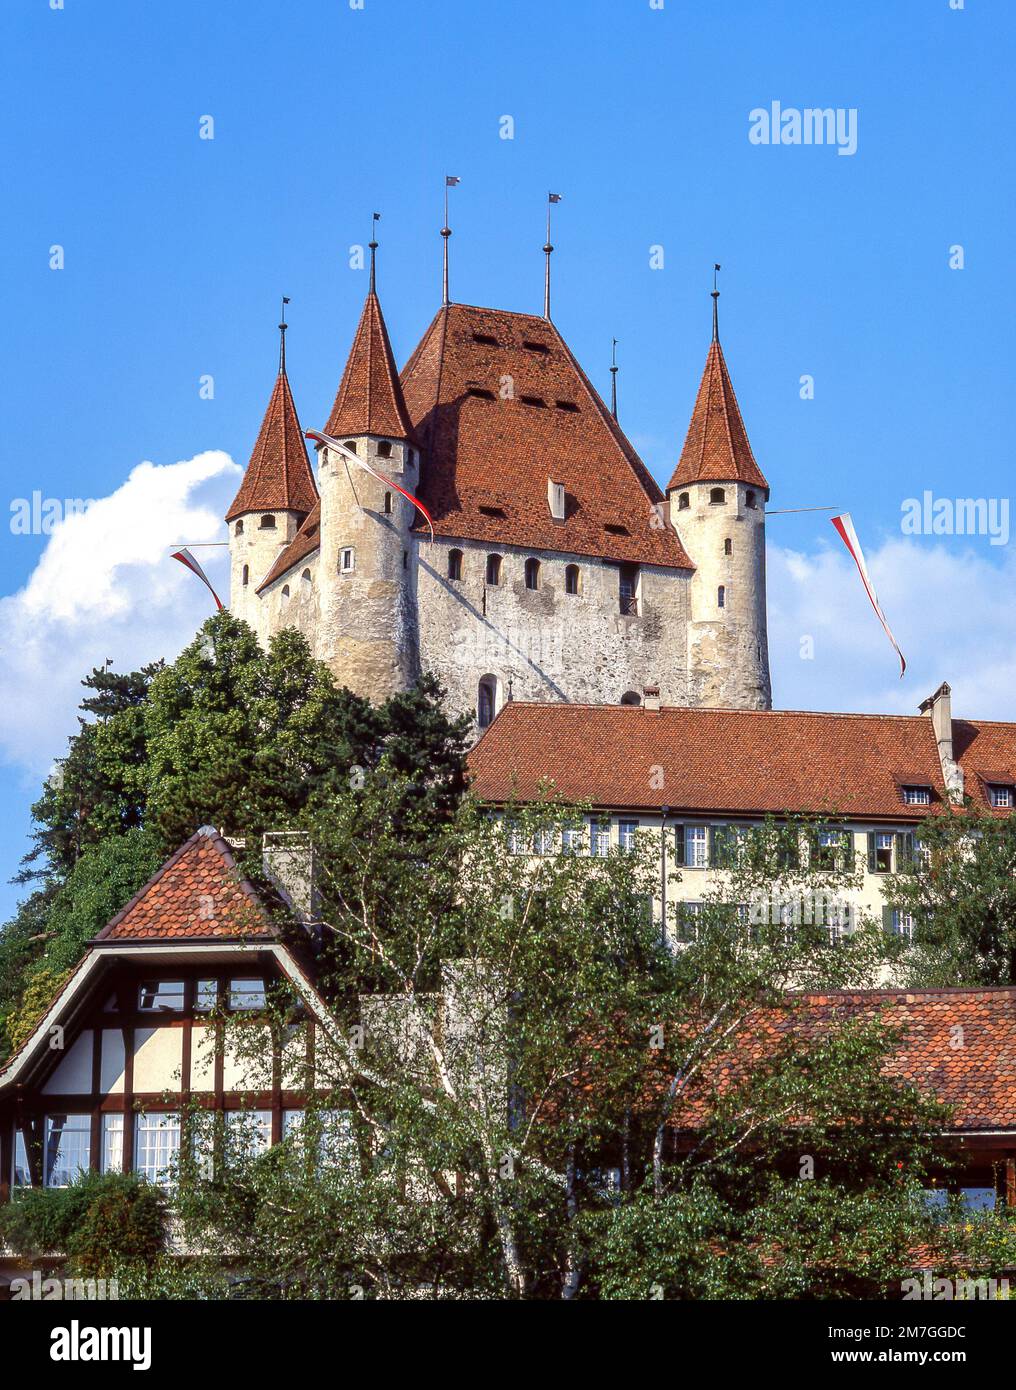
[177,250]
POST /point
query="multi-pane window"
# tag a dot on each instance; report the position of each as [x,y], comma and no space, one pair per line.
[1001,797]
[112,1143]
[247,994]
[696,846]
[688,915]
[626,831]
[917,796]
[899,923]
[543,840]
[156,1145]
[829,849]
[68,1148]
[248,1133]
[880,858]
[599,839]
[572,840]
[206,994]
[336,1137]
[161,996]
[22,1173]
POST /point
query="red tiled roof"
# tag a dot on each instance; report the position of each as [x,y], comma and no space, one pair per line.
[198,892]
[279,476]
[716,448]
[978,1078]
[745,761]
[369,399]
[304,543]
[486,448]
[987,753]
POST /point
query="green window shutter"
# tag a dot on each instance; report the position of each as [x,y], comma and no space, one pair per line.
[887,919]
[678,844]
[712,836]
[847,841]
[905,852]
[872,860]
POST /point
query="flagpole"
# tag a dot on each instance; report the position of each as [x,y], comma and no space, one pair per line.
[547,250]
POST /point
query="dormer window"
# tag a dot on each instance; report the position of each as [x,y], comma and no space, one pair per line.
[555,499]
[914,795]
[717,497]
[1000,796]
[384,449]
[267,522]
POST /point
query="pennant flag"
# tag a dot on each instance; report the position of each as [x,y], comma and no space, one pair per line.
[340,448]
[186,558]
[845,527]
[451,181]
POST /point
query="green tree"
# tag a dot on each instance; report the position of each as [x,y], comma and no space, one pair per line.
[524,1090]
[960,893]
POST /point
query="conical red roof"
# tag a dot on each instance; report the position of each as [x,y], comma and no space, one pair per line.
[716,448]
[370,399]
[279,476]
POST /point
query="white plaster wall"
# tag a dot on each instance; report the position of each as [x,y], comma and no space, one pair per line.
[158,1056]
[73,1076]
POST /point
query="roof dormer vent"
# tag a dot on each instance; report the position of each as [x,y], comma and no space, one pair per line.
[555,499]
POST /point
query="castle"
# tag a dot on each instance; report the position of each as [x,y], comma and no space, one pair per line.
[557,569]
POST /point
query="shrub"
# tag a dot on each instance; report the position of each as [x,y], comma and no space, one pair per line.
[97,1221]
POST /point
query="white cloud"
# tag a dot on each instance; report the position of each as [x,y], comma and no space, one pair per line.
[105,586]
[949,604]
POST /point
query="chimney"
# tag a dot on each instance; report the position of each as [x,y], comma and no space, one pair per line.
[287,857]
[939,706]
[651,697]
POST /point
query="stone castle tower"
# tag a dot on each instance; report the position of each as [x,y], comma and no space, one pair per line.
[558,569]
[717,498]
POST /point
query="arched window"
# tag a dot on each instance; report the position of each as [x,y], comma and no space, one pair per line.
[285,594]
[388,504]
[683,502]
[728,546]
[305,582]
[384,449]
[246,575]
[267,522]
[486,700]
[455,564]
[716,496]
[494,569]
[572,579]
[350,445]
[721,597]
[749,500]
[532,573]
[631,697]
[238,529]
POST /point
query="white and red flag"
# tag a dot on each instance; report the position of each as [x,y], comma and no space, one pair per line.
[340,448]
[845,527]
[186,558]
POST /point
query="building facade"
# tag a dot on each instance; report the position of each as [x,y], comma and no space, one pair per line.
[557,570]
